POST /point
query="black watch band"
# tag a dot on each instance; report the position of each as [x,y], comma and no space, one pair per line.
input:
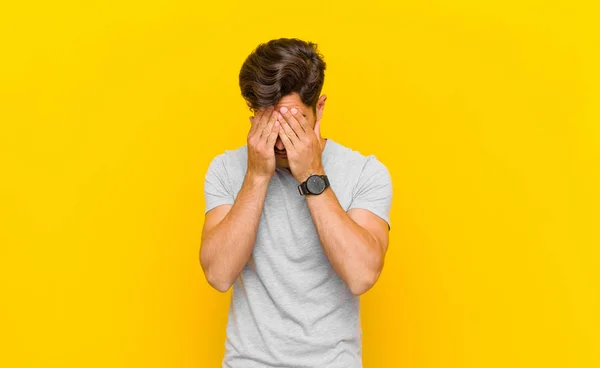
[321,186]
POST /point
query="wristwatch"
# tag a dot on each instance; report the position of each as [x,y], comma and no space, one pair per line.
[315,184]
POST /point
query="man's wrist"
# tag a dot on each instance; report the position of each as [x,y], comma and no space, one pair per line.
[257,181]
[318,171]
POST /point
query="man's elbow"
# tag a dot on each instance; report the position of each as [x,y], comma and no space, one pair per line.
[361,285]
[219,285]
[215,279]
[217,282]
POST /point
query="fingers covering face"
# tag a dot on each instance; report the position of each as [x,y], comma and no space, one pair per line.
[288,135]
[289,124]
[292,121]
[272,136]
[266,131]
[258,121]
[287,142]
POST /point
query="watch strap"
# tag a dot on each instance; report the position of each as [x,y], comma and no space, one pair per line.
[302,188]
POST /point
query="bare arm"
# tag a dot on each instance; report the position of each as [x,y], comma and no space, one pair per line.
[355,242]
[229,234]
[229,231]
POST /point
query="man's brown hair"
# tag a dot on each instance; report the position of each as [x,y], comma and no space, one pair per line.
[280,67]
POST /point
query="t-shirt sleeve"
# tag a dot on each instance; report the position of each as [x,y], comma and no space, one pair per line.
[373,191]
[217,187]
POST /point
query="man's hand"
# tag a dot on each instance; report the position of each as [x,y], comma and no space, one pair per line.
[302,144]
[261,142]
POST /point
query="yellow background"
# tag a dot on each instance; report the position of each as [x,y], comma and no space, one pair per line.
[487,115]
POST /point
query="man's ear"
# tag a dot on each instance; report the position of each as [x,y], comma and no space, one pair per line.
[320,107]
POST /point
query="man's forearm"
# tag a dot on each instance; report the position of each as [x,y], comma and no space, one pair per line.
[352,251]
[227,247]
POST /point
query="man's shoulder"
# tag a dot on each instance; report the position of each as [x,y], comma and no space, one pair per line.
[233,155]
[341,154]
[232,161]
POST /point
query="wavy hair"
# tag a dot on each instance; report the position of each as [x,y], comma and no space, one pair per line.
[280,67]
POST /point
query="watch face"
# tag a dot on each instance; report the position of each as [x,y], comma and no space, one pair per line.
[315,184]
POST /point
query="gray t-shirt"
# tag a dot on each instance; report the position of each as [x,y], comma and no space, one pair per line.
[289,308]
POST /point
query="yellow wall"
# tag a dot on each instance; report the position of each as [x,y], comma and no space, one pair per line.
[486,113]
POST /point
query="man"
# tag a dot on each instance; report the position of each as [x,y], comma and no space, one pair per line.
[297,223]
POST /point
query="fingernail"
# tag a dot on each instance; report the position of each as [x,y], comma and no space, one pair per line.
[283,110]
[294,110]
